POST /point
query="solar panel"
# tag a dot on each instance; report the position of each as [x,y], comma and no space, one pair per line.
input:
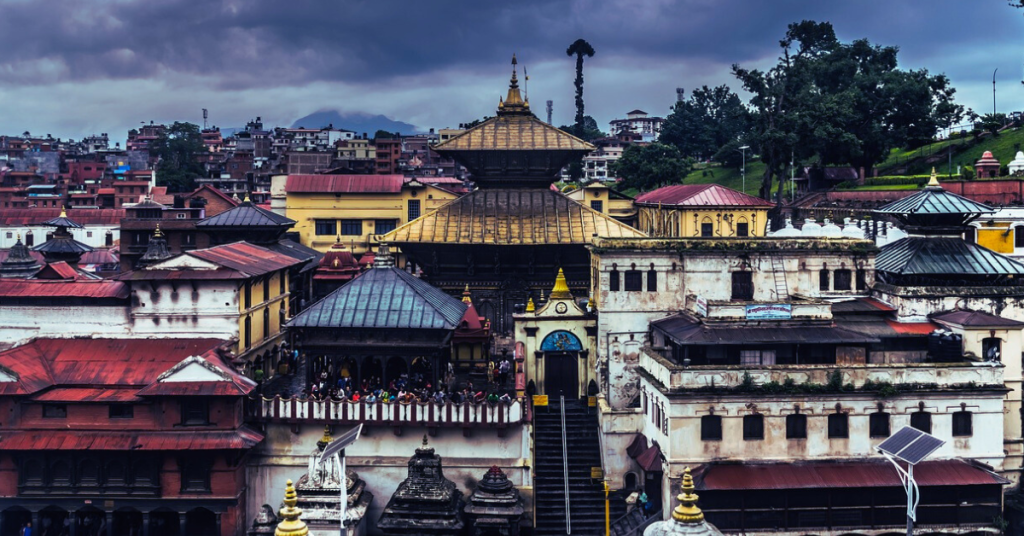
[341,442]
[910,445]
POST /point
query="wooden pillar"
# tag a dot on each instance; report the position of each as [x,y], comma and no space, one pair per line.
[220,526]
[181,524]
[36,528]
[145,523]
[110,523]
[73,526]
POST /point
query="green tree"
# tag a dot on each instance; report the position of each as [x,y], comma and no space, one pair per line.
[579,48]
[649,166]
[702,124]
[993,122]
[383,135]
[590,131]
[178,149]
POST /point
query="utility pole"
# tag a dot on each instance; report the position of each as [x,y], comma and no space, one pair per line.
[551,105]
[743,171]
[994,92]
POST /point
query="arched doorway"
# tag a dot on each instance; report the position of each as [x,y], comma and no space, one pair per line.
[90,521]
[201,522]
[15,518]
[395,369]
[372,372]
[561,364]
[127,522]
[163,523]
[52,521]
[350,369]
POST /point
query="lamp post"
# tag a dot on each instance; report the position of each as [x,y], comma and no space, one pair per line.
[743,170]
[910,446]
[994,92]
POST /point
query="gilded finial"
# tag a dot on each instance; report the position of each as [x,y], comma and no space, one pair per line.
[246,200]
[513,102]
[327,435]
[561,290]
[687,510]
[63,212]
[157,233]
[934,180]
[591,305]
[530,307]
[465,296]
[290,524]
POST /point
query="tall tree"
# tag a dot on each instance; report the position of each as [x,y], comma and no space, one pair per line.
[178,149]
[579,48]
[649,166]
[704,123]
[589,132]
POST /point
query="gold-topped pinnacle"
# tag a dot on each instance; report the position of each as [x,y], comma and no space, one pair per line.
[246,199]
[530,307]
[63,212]
[514,100]
[466,299]
[327,435]
[290,524]
[934,180]
[561,290]
[425,443]
[687,510]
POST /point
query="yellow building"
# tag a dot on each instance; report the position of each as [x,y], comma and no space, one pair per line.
[358,148]
[356,208]
[701,210]
[603,199]
[999,236]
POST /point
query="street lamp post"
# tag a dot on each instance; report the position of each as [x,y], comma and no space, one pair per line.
[743,171]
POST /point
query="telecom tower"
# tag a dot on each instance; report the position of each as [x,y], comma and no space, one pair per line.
[551,105]
[680,94]
[206,115]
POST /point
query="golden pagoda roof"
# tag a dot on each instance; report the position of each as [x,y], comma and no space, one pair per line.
[511,216]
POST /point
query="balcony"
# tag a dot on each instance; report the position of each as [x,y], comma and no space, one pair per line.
[959,375]
[467,415]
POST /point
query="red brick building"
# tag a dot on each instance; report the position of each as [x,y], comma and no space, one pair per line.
[389,152]
[132,436]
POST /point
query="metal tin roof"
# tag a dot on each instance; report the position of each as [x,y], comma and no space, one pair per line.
[934,200]
[43,288]
[344,184]
[700,195]
[36,216]
[976,319]
[384,298]
[683,329]
[87,394]
[511,217]
[62,246]
[240,439]
[943,256]
[246,215]
[784,476]
[513,133]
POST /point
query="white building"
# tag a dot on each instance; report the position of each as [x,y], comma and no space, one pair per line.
[100,227]
[638,122]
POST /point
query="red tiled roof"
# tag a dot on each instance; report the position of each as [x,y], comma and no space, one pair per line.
[105,191]
[83,216]
[214,191]
[95,362]
[240,439]
[62,270]
[236,384]
[784,476]
[82,288]
[344,183]
[700,195]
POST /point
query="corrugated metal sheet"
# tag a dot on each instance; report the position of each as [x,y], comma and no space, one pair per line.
[344,184]
[193,389]
[247,215]
[700,195]
[977,319]
[841,475]
[683,330]
[240,439]
[36,216]
[912,328]
[183,275]
[246,258]
[943,256]
[934,200]
[82,288]
[513,132]
[511,217]
[87,394]
[384,298]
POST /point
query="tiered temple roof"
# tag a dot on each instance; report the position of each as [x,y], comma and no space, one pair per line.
[425,503]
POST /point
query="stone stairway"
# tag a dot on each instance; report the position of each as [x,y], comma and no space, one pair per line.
[633,523]
[586,496]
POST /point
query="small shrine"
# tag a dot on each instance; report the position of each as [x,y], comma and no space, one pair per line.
[62,246]
[687,518]
[156,250]
[319,494]
[337,267]
[987,167]
[494,507]
[19,262]
[425,503]
[1016,167]
[264,523]
[291,524]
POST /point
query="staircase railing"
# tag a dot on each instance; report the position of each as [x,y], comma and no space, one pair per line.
[639,529]
[565,467]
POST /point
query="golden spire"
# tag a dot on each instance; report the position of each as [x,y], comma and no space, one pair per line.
[327,435]
[934,181]
[687,510]
[157,233]
[63,213]
[530,307]
[514,100]
[246,200]
[561,290]
[465,296]
[290,524]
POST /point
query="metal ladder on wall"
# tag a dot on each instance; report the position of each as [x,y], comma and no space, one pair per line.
[779,273]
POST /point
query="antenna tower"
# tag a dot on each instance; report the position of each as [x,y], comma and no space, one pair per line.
[680,94]
[206,116]
[551,105]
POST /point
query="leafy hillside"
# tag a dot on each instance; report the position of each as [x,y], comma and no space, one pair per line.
[965,153]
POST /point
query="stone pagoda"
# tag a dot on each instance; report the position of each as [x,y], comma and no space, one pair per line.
[62,246]
[425,503]
[687,519]
[319,494]
[19,262]
[494,507]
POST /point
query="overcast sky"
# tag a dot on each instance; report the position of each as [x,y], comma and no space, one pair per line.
[73,67]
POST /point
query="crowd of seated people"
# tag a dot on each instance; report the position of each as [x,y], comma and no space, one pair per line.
[406,388]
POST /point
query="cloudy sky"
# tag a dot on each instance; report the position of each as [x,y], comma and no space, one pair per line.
[73,67]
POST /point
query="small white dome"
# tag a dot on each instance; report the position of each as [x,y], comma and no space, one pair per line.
[1017,164]
[788,231]
[852,231]
[810,228]
[831,230]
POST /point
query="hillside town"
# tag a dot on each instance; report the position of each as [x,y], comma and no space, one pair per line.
[700,322]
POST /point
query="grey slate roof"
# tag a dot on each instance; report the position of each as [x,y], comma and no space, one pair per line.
[977,319]
[246,215]
[686,330]
[934,200]
[384,298]
[943,256]
[296,250]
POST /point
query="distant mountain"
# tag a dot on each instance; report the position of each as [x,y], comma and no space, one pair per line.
[355,121]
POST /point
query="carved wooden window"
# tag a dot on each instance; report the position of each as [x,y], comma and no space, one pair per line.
[922,420]
[121,411]
[195,476]
[711,428]
[878,423]
[55,411]
[962,424]
[838,426]
[796,426]
[753,427]
[195,412]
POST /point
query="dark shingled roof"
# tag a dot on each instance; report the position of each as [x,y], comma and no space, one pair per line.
[945,256]
[687,330]
[935,200]
[384,298]
[976,319]
[246,215]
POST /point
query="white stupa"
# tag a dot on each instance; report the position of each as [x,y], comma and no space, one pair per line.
[811,228]
[1017,165]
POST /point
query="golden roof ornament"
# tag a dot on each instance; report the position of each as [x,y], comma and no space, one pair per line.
[465,296]
[63,212]
[561,290]
[290,524]
[327,435]
[157,233]
[530,307]
[687,510]
[513,102]
[934,181]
